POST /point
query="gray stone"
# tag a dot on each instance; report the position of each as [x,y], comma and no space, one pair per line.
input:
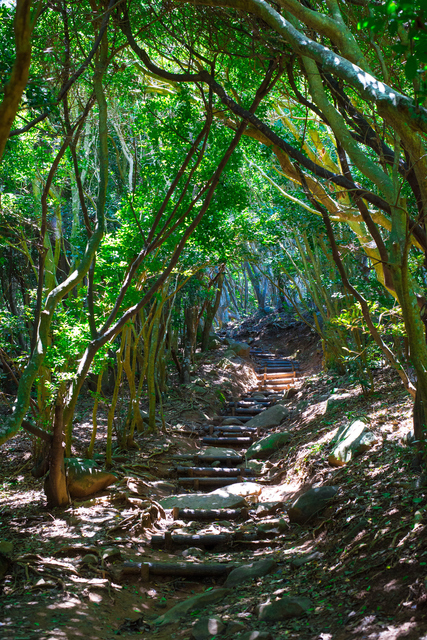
[275,525]
[218,499]
[84,477]
[195,552]
[250,571]
[351,440]
[241,349]
[161,486]
[267,446]
[207,628]
[271,417]
[283,609]
[299,561]
[89,559]
[258,396]
[256,635]
[196,602]
[291,393]
[234,626]
[336,400]
[213,452]
[255,465]
[267,508]
[229,353]
[111,553]
[230,421]
[310,503]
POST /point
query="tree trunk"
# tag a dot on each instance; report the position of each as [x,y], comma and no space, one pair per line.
[211,312]
[55,485]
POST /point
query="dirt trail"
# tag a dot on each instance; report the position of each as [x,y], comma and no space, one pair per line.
[361,561]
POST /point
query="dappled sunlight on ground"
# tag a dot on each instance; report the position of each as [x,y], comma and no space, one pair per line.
[362,564]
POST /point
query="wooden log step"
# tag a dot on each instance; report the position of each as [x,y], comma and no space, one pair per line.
[274,385]
[187,540]
[275,361]
[263,354]
[209,515]
[279,368]
[275,365]
[285,376]
[224,442]
[215,472]
[225,433]
[248,404]
[231,428]
[248,412]
[179,570]
[197,483]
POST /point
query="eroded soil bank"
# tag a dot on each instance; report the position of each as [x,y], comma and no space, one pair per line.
[361,562]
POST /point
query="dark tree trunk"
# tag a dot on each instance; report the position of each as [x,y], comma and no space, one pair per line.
[56,483]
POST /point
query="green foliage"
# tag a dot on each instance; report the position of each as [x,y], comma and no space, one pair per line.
[408,21]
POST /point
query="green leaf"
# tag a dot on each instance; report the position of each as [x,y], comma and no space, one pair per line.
[411,67]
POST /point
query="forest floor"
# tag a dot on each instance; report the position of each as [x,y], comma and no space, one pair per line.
[362,562]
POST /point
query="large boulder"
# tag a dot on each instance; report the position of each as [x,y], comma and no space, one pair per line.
[84,477]
[185,607]
[225,498]
[283,609]
[310,503]
[336,400]
[207,628]
[231,421]
[240,349]
[351,440]
[217,452]
[250,571]
[265,447]
[271,417]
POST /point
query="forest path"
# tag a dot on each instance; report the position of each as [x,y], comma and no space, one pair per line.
[113,563]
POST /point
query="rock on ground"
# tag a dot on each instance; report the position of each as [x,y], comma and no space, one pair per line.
[240,349]
[271,417]
[250,571]
[336,400]
[283,609]
[196,602]
[231,421]
[351,440]
[214,452]
[299,561]
[310,503]
[267,446]
[207,628]
[84,477]
[229,497]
